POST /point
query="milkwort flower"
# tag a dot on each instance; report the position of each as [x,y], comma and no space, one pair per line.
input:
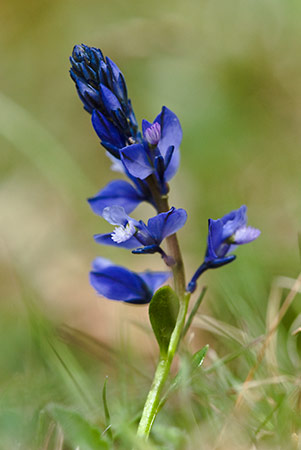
[224,235]
[159,153]
[102,89]
[119,283]
[131,234]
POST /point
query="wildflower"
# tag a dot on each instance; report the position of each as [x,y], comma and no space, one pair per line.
[224,236]
[131,234]
[159,153]
[119,283]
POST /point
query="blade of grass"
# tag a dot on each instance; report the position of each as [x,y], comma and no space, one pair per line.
[108,429]
[194,310]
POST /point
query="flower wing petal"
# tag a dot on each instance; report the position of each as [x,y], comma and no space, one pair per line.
[233,221]
[154,279]
[117,192]
[118,283]
[244,235]
[215,238]
[167,223]
[136,161]
[106,239]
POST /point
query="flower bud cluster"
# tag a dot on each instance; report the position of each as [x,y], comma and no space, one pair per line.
[102,89]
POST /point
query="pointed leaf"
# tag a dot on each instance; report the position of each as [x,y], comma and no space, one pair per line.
[198,358]
[195,362]
[163,311]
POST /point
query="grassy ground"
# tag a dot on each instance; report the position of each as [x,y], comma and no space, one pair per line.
[230,70]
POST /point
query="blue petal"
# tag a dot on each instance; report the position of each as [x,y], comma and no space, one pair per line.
[106,131]
[160,168]
[117,192]
[168,156]
[145,125]
[215,238]
[110,100]
[136,161]
[167,223]
[115,215]
[106,239]
[171,134]
[122,89]
[100,263]
[244,235]
[234,220]
[154,279]
[114,68]
[88,95]
[118,283]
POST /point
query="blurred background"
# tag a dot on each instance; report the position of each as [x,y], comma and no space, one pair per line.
[231,72]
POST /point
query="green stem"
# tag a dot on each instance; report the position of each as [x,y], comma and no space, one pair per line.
[150,410]
[153,399]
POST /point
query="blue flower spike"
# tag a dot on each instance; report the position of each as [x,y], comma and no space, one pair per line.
[121,284]
[131,234]
[224,235]
[102,89]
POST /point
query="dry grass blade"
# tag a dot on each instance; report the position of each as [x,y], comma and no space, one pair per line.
[295,289]
[221,328]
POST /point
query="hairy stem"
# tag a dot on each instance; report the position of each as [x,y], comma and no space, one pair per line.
[153,399]
[174,251]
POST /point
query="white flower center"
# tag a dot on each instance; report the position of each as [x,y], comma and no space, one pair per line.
[122,234]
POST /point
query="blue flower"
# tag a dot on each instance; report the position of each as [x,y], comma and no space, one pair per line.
[224,235]
[131,234]
[159,153]
[102,89]
[119,283]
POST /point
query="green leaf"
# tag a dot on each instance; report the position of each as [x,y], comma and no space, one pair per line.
[78,432]
[198,358]
[163,312]
[194,363]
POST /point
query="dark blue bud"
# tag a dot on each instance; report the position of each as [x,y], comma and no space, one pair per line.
[78,53]
[121,120]
[101,86]
[109,99]
[89,96]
